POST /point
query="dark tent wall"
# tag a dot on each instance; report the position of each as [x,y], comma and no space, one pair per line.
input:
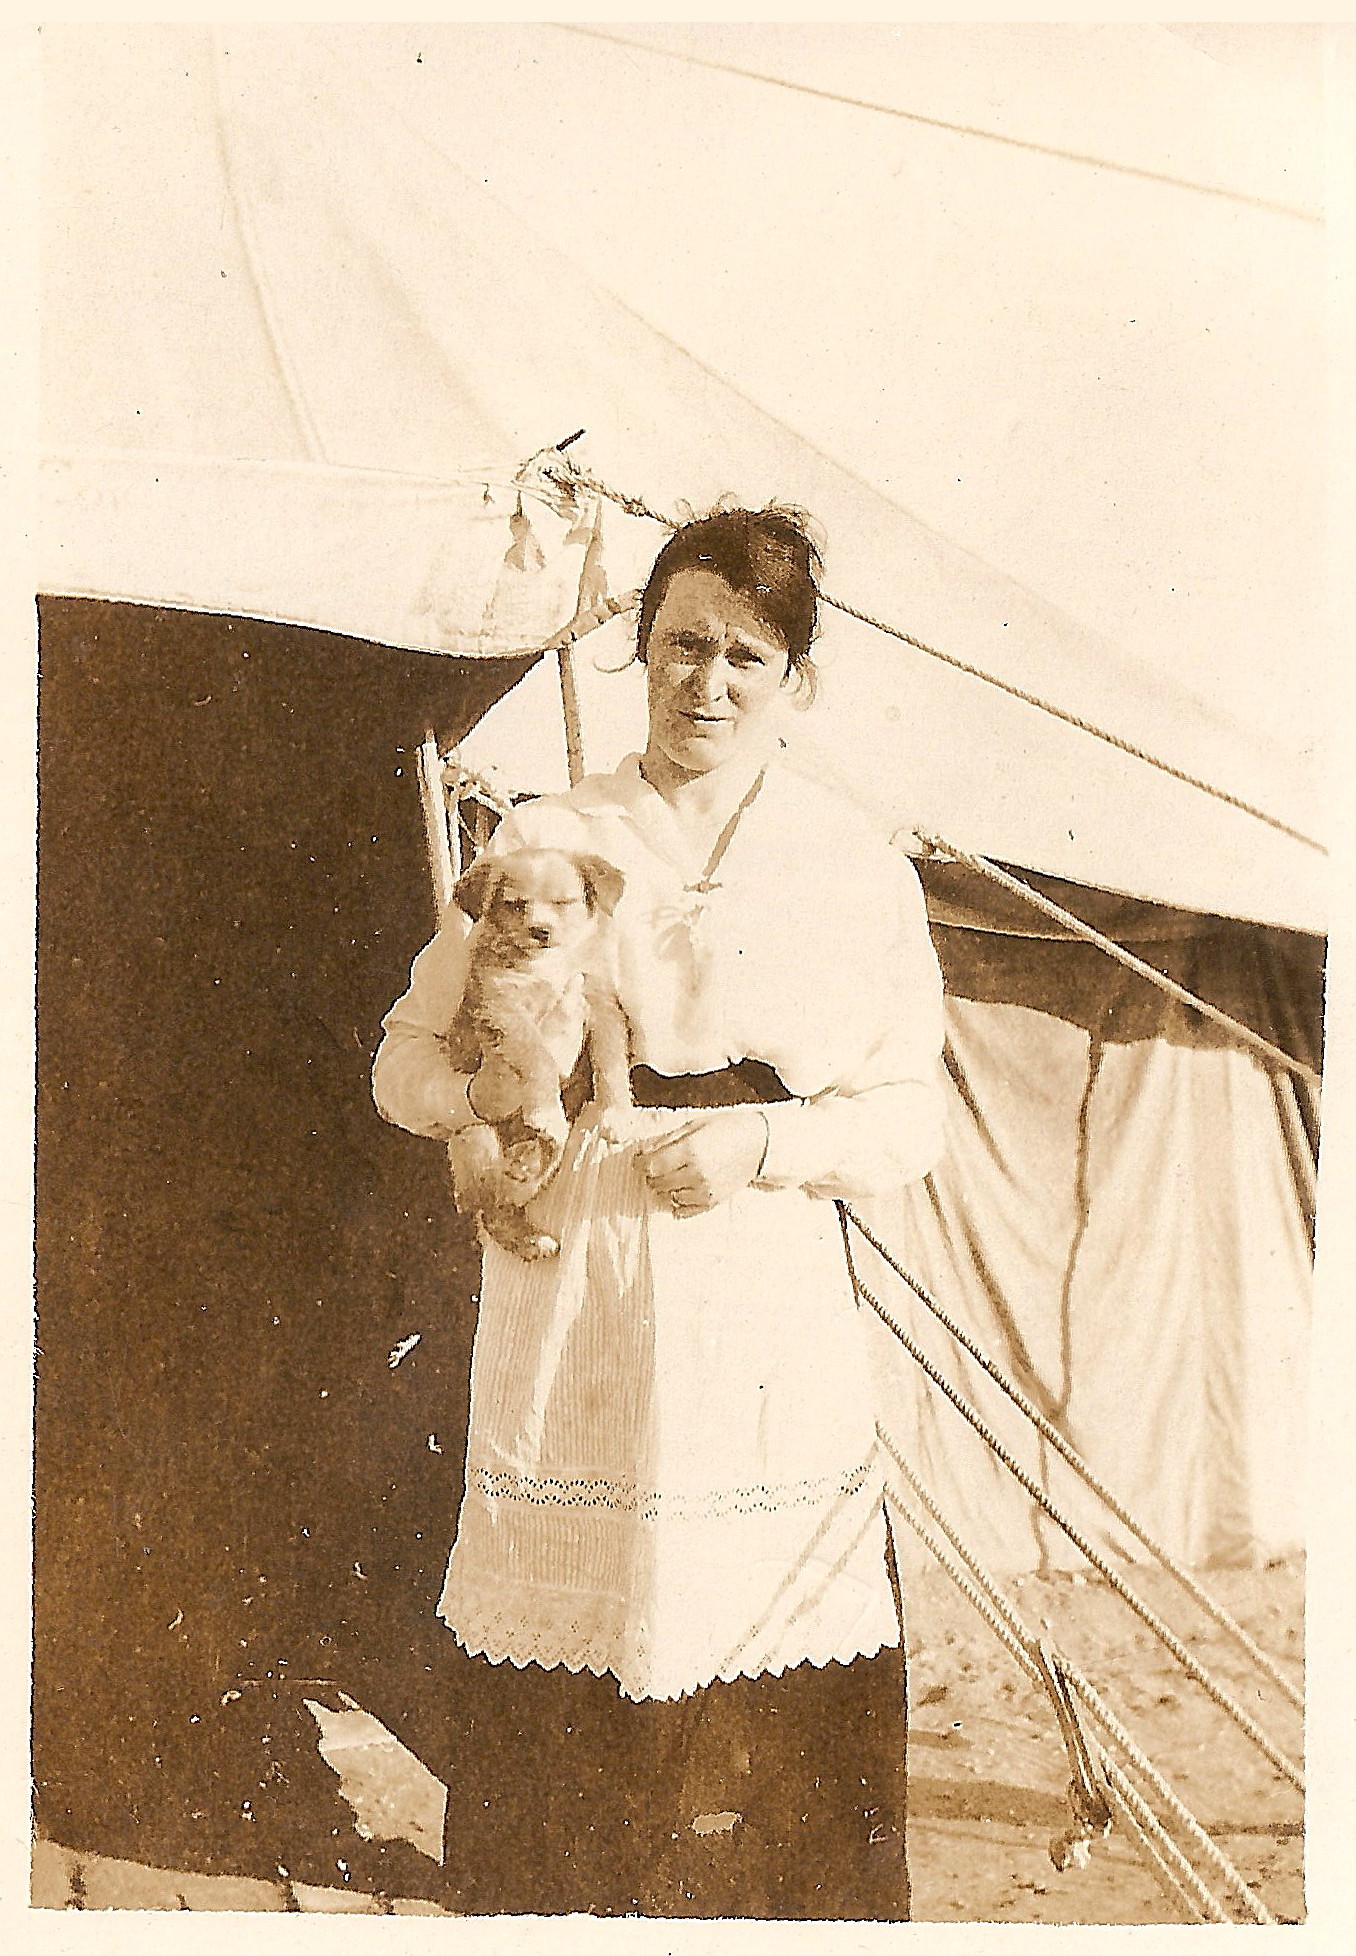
[232,1481]
[1124,1220]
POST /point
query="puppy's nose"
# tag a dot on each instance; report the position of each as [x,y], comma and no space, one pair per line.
[539,933]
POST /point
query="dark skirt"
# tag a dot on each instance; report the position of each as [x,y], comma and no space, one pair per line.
[769,1797]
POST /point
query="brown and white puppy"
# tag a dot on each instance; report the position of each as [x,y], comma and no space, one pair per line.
[535,997]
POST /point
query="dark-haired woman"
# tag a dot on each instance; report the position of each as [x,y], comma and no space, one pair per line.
[673,1526]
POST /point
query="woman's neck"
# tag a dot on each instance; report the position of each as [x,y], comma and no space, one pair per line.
[701,800]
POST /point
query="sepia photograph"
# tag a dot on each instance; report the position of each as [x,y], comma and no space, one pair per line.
[685,729]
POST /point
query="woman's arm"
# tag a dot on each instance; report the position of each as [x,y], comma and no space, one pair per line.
[850,1145]
[414,1083]
[880,1125]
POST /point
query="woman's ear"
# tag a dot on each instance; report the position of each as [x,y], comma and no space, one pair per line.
[603,881]
[474,892]
[801,683]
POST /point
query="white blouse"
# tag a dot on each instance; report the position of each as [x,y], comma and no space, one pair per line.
[672,1470]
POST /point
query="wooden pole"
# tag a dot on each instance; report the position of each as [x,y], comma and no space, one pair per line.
[433,798]
[569,701]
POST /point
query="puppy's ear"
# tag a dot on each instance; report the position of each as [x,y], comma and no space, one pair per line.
[475,891]
[603,881]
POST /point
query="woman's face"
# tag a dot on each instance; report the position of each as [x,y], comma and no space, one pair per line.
[715,675]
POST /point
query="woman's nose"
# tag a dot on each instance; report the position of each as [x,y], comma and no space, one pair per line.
[709,681]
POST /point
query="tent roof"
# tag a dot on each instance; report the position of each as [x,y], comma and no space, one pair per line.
[288,371]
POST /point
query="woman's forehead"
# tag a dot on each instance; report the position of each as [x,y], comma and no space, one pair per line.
[701,602]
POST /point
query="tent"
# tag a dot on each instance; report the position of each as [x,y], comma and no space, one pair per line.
[291,377]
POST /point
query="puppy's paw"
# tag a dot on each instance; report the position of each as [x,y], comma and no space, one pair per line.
[528,1162]
[537,1247]
[512,1231]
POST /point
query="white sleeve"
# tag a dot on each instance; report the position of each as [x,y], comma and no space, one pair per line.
[879,1125]
[414,1083]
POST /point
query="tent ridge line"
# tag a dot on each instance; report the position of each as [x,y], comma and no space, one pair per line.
[291,380]
[1269,204]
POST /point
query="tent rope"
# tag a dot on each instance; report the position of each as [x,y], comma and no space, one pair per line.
[1210,1849]
[634,506]
[1016,1649]
[998,1600]
[1083,726]
[1176,1889]
[1075,924]
[1068,1453]
[1161,1854]
[1171,1642]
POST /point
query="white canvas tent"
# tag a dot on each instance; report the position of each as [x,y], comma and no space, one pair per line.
[314,294]
[398,287]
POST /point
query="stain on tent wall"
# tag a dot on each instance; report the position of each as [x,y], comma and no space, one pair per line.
[231,1479]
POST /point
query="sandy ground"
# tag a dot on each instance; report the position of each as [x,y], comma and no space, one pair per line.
[988,1773]
[357,1825]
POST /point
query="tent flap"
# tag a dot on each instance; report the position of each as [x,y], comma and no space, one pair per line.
[1121,1221]
[461,566]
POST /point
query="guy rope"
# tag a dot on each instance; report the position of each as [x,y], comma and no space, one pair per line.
[566,472]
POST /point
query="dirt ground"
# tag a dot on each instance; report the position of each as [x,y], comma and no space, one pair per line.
[988,1772]
[324,1809]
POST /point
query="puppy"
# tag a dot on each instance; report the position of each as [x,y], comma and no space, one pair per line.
[535,998]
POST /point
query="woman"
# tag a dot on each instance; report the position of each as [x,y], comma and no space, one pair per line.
[673,1512]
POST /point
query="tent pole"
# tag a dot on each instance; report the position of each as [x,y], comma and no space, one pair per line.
[569,701]
[453,784]
[433,797]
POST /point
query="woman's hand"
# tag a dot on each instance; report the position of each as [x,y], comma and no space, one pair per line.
[707,1160]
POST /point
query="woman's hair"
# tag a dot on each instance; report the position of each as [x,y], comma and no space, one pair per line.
[767,556]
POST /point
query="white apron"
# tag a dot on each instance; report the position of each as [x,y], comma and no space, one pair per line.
[671,1469]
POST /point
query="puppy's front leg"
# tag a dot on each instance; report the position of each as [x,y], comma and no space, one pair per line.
[610,1055]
